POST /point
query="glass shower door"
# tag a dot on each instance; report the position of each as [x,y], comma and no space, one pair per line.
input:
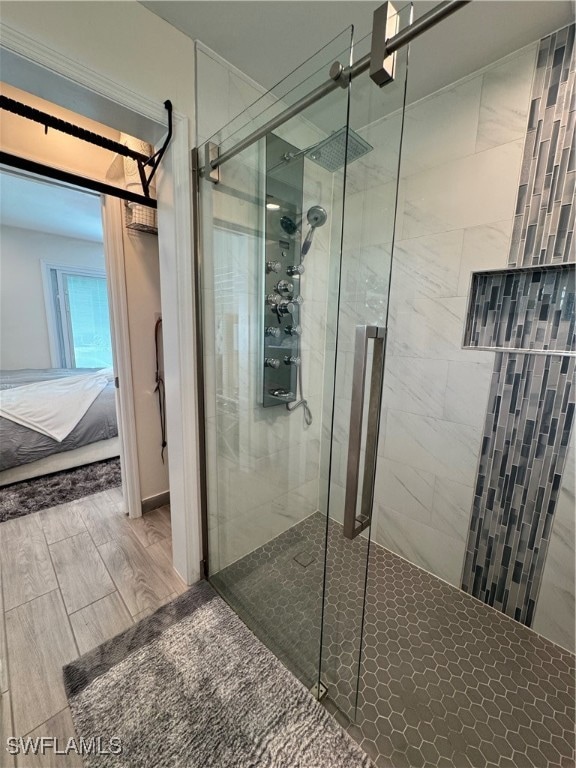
[297,235]
[271,234]
[372,189]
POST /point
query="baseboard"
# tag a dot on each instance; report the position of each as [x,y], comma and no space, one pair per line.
[153,502]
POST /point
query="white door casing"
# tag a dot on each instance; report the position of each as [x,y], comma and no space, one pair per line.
[118,302]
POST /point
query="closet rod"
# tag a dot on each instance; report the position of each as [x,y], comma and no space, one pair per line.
[49,121]
[24,164]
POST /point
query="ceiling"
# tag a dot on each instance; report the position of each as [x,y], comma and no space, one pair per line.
[268,39]
[46,207]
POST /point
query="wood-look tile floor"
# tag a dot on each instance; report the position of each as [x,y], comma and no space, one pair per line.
[71,577]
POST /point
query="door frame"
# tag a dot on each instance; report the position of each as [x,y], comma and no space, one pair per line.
[120,332]
[53,70]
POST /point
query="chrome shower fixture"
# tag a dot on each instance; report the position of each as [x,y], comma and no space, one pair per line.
[343,146]
[316,217]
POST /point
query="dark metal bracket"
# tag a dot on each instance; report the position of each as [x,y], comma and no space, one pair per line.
[49,121]
[154,161]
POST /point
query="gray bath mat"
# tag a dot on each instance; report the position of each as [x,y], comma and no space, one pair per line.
[47,491]
[191,687]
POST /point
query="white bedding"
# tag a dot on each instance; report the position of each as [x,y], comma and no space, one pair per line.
[54,407]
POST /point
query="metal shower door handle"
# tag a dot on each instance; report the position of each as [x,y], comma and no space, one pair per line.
[355,523]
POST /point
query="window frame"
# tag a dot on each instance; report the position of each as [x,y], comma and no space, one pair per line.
[58,323]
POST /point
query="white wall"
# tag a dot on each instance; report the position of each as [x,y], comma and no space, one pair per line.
[142,267]
[121,42]
[23,322]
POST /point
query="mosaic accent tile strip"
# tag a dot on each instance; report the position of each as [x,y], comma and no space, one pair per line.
[532,398]
[544,224]
[523,309]
[444,679]
[530,415]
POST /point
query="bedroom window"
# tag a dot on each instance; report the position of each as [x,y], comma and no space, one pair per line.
[79,320]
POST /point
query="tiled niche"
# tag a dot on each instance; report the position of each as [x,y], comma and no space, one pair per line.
[523,309]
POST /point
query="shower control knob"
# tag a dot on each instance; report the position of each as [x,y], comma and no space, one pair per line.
[291,360]
[273,266]
[283,286]
[274,299]
[284,307]
[298,300]
[272,362]
[271,331]
[297,269]
[294,330]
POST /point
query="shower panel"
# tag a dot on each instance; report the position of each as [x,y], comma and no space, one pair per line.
[282,270]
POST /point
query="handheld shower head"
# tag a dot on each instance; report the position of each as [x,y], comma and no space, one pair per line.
[316,217]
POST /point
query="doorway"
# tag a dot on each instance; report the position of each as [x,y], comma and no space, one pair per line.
[59,420]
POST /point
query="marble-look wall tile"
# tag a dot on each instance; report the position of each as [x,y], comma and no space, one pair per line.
[427,547]
[369,217]
[451,509]
[450,117]
[380,165]
[433,329]
[365,275]
[257,458]
[463,192]
[443,448]
[405,489]
[466,391]
[416,385]
[483,247]
[427,267]
[261,524]
[505,100]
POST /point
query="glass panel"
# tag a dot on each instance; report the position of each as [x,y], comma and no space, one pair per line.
[271,238]
[89,321]
[376,117]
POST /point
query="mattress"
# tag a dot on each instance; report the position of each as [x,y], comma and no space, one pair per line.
[20,445]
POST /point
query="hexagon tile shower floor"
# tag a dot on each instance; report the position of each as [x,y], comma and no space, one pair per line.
[445,679]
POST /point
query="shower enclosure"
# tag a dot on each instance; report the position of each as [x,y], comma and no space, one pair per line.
[285,354]
[309,356]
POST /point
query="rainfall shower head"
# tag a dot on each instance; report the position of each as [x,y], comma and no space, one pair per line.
[331,152]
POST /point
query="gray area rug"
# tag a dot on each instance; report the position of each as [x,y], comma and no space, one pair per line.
[39,493]
[192,687]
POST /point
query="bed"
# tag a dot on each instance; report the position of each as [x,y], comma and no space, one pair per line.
[26,453]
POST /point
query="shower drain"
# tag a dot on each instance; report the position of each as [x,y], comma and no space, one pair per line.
[304,559]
